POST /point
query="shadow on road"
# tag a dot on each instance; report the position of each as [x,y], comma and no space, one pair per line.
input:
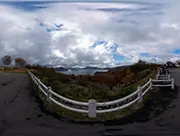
[158,102]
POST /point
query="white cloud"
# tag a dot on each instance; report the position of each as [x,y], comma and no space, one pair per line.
[39,37]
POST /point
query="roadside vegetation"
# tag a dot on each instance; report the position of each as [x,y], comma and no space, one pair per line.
[102,86]
[15,70]
[114,84]
[83,88]
[60,112]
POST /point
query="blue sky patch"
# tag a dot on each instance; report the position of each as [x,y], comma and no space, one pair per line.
[118,58]
[114,48]
[99,42]
[48,30]
[144,54]
[58,25]
[26,5]
[41,24]
[176,51]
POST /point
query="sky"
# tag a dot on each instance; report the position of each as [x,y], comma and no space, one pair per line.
[79,34]
[156,1]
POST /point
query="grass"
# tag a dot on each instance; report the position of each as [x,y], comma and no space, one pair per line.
[62,112]
[15,70]
[74,116]
[85,89]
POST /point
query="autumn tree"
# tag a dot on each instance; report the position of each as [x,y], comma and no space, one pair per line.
[129,76]
[20,62]
[7,60]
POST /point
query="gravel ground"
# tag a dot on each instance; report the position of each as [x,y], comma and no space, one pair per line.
[20,114]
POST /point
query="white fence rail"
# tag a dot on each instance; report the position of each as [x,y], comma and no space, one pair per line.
[92,107]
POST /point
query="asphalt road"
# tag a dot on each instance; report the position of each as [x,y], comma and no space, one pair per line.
[20,115]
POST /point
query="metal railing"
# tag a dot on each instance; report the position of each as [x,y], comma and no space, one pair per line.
[92,107]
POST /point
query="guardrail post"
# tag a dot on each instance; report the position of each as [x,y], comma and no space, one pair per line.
[48,94]
[157,76]
[140,94]
[150,83]
[169,77]
[172,83]
[92,108]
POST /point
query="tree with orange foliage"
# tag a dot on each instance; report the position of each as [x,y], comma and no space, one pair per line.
[7,60]
[20,62]
[129,76]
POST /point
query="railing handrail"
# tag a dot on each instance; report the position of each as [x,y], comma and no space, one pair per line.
[85,103]
[146,84]
[118,100]
[59,96]
[68,100]
[164,75]
[161,85]
[68,107]
[169,80]
[146,90]
[139,93]
[41,83]
[119,107]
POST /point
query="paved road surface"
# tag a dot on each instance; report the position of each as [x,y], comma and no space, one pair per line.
[20,115]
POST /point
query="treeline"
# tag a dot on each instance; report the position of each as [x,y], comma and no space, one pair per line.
[121,75]
[21,62]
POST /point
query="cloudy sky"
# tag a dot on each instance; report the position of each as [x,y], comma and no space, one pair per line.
[90,33]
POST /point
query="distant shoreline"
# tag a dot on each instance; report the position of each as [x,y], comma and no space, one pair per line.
[81,71]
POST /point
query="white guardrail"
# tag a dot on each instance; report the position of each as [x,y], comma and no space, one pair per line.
[92,107]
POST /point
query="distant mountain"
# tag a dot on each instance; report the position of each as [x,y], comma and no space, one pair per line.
[110,70]
[90,70]
[89,67]
[85,68]
[61,69]
[114,69]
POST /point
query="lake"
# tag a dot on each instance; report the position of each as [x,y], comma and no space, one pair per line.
[82,71]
